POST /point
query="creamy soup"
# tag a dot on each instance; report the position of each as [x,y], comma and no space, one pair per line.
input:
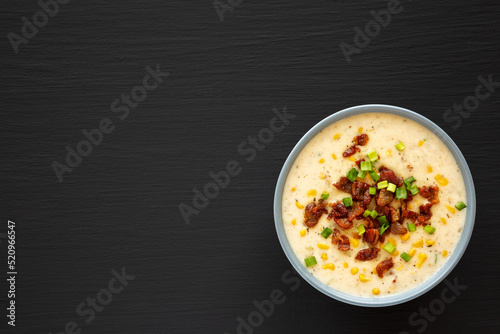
[416,255]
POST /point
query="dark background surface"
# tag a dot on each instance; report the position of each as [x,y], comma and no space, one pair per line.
[119,208]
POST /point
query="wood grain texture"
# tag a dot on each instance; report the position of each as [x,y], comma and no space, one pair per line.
[119,207]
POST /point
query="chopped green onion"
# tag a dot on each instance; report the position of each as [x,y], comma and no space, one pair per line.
[435,259]
[391,187]
[374,176]
[366,213]
[310,261]
[383,184]
[400,146]
[460,206]
[429,229]
[347,201]
[409,181]
[412,227]
[361,229]
[390,247]
[361,174]
[385,224]
[325,196]
[401,193]
[366,166]
[351,175]
[326,232]
[374,214]
[383,220]
[372,190]
[372,155]
[405,257]
[413,189]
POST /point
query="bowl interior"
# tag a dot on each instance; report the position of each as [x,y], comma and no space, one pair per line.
[437,277]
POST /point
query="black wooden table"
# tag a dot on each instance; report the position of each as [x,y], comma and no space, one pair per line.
[115,113]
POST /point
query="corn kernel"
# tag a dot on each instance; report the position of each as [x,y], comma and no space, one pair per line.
[352,158]
[364,278]
[324,257]
[419,243]
[321,160]
[451,209]
[294,221]
[392,241]
[441,180]
[297,204]
[388,152]
[429,169]
[323,246]
[337,136]
[346,265]
[445,253]
[322,176]
[330,266]
[376,291]
[422,257]
[412,252]
[430,242]
[360,129]
[395,253]
[311,193]
[354,271]
[354,242]
[302,233]
[334,156]
[400,267]
[443,220]
[420,143]
[293,189]
[406,236]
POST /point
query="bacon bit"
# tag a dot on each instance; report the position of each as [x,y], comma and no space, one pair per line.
[354,211]
[397,228]
[344,223]
[358,190]
[388,175]
[367,254]
[425,213]
[350,151]
[313,213]
[407,214]
[339,210]
[344,244]
[361,140]
[344,184]
[384,197]
[394,215]
[372,223]
[431,193]
[383,266]
[383,211]
[371,236]
[367,198]
[340,239]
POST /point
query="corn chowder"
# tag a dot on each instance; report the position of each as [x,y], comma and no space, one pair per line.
[373,205]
